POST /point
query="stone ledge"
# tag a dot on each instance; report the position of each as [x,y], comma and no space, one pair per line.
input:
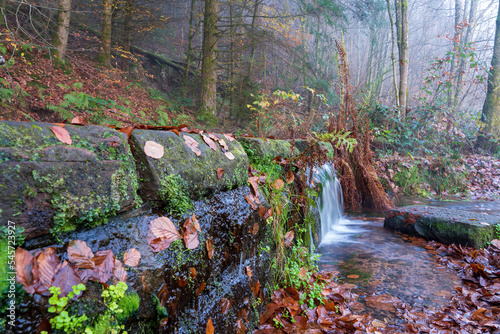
[444,225]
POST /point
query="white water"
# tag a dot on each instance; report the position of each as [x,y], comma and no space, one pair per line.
[335,227]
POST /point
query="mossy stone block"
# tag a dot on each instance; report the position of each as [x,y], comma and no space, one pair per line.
[266,149]
[199,173]
[449,226]
[302,144]
[46,184]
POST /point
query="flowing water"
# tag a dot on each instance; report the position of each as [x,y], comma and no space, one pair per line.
[379,262]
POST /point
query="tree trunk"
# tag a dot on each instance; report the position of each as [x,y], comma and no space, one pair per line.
[127,32]
[3,5]
[252,52]
[106,33]
[488,137]
[402,33]
[60,40]
[456,50]
[191,34]
[208,92]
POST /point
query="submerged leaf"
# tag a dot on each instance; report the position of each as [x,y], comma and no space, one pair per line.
[190,235]
[65,279]
[162,232]
[48,263]
[26,270]
[80,254]
[132,257]
[119,271]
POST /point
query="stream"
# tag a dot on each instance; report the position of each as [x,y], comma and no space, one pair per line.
[380,263]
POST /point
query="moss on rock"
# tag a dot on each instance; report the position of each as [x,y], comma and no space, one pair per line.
[261,149]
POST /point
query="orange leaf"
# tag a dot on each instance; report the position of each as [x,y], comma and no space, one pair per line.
[229,136]
[154,150]
[289,177]
[220,173]
[254,184]
[105,265]
[132,257]
[48,263]
[192,273]
[255,288]
[65,279]
[80,254]
[303,272]
[268,214]
[195,223]
[254,229]
[352,276]
[210,248]
[223,145]
[79,120]
[200,288]
[249,271]
[61,134]
[210,327]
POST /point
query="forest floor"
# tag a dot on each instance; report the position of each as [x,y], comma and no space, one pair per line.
[472,309]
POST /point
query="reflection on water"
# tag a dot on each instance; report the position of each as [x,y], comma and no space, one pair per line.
[382,262]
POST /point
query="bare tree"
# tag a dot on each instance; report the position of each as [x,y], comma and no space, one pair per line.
[60,40]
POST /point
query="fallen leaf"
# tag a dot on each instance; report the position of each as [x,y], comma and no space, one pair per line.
[252,201]
[353,276]
[105,264]
[225,305]
[229,136]
[220,173]
[210,327]
[278,184]
[154,150]
[192,144]
[249,271]
[132,257]
[254,229]
[214,137]
[223,144]
[162,232]
[196,225]
[61,134]
[289,238]
[229,155]
[47,262]
[65,279]
[240,327]
[268,214]
[200,288]
[210,248]
[119,271]
[209,142]
[79,120]
[255,287]
[26,270]
[253,181]
[303,272]
[192,272]
[190,235]
[289,177]
[80,254]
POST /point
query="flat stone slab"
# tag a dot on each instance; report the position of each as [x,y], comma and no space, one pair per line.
[46,184]
[444,225]
[198,172]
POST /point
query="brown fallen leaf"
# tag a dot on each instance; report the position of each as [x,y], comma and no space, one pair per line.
[192,272]
[200,288]
[220,173]
[254,229]
[61,134]
[48,263]
[353,276]
[229,136]
[225,305]
[162,232]
[26,270]
[210,327]
[105,264]
[209,142]
[252,201]
[196,225]
[249,271]
[154,150]
[289,177]
[223,144]
[278,184]
[80,254]
[192,144]
[289,238]
[119,271]
[229,155]
[79,120]
[65,279]
[132,257]
[190,235]
[210,248]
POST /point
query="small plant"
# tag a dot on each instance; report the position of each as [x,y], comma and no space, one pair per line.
[173,191]
[69,324]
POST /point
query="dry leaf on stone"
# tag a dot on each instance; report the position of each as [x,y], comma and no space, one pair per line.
[223,144]
[195,222]
[225,305]
[61,134]
[229,136]
[192,144]
[220,173]
[154,150]
[229,155]
[79,120]
[80,254]
[132,257]
[209,142]
[214,137]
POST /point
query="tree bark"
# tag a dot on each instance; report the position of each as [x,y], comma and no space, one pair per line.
[127,33]
[60,40]
[208,92]
[488,137]
[106,33]
[456,50]
[402,33]
[191,34]
[3,5]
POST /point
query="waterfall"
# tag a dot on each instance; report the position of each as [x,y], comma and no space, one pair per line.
[334,225]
